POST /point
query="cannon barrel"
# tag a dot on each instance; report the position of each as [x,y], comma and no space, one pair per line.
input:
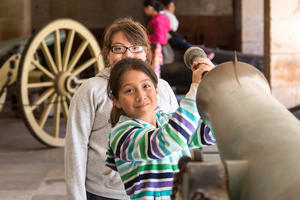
[17,45]
[10,52]
[257,137]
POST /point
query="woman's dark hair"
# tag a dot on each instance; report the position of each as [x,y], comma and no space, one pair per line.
[116,75]
[134,32]
[154,3]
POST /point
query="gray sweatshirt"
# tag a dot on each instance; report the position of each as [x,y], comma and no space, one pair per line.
[87,135]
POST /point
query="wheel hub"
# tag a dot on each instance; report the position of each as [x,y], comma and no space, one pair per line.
[66,83]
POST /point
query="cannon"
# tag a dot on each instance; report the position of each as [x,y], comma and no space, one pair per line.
[45,70]
[257,137]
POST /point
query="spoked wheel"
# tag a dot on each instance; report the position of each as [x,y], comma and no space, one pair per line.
[55,62]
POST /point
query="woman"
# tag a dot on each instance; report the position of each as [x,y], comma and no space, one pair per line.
[88,126]
[145,146]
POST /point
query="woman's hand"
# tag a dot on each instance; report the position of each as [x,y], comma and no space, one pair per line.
[199,67]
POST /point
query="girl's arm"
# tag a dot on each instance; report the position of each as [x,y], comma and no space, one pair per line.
[132,141]
[202,137]
[110,160]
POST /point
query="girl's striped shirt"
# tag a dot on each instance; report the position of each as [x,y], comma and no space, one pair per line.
[146,157]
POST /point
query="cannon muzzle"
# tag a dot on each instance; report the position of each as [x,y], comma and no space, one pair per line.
[257,137]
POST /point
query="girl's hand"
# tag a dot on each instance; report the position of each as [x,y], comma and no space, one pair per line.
[199,67]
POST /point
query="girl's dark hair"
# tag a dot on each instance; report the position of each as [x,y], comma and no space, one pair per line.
[157,5]
[166,2]
[134,32]
[116,75]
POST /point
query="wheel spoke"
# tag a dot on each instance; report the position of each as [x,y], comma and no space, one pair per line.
[68,48]
[57,50]
[77,55]
[40,84]
[43,69]
[69,97]
[57,117]
[48,57]
[42,98]
[47,110]
[65,108]
[80,81]
[84,66]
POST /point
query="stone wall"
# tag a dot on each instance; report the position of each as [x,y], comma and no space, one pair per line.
[252,27]
[15,19]
[282,53]
[97,14]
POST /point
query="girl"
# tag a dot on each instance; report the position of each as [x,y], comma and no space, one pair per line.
[158,27]
[145,144]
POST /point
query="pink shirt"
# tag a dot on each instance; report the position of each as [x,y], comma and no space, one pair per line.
[159,26]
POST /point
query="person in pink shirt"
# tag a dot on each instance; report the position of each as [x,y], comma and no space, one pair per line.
[159,25]
[158,28]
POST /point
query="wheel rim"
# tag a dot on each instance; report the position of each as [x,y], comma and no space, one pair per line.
[50,74]
[2,99]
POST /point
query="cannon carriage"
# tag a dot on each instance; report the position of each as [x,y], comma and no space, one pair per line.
[45,70]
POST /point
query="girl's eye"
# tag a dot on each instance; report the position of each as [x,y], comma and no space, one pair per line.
[148,85]
[128,91]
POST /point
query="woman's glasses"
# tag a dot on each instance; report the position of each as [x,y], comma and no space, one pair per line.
[123,49]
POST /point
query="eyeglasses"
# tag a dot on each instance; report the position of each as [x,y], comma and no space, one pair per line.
[123,49]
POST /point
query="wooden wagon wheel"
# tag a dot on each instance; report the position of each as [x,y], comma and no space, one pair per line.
[50,74]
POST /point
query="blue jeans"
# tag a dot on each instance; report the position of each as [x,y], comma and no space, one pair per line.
[176,41]
[91,196]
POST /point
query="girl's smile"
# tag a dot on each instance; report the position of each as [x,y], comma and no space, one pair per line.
[137,96]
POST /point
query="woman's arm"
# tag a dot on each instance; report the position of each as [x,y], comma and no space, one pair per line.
[79,126]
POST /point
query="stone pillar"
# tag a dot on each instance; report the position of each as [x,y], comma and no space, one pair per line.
[252,26]
[15,19]
[282,50]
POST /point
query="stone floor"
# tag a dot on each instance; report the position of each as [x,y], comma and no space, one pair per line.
[28,169]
